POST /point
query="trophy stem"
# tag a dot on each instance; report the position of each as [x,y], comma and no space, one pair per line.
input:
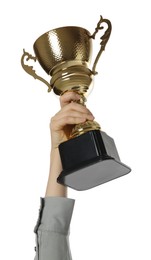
[85,127]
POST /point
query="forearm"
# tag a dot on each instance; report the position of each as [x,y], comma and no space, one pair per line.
[53,188]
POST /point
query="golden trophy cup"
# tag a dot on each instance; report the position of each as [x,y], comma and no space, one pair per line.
[89,158]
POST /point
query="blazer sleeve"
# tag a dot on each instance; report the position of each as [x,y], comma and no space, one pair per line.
[53,229]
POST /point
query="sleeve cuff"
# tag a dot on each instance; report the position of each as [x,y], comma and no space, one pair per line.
[55,214]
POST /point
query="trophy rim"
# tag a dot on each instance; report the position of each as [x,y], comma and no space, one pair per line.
[63,27]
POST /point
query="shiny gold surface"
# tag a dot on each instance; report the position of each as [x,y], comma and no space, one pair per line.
[104,39]
[29,69]
[84,127]
[65,54]
[61,45]
[71,76]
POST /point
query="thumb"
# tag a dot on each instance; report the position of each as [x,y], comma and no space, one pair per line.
[67,97]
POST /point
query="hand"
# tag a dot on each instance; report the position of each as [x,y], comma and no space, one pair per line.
[71,113]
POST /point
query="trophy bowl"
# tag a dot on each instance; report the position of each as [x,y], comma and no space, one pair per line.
[65,53]
[61,45]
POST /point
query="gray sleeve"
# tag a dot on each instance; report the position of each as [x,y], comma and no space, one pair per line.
[53,229]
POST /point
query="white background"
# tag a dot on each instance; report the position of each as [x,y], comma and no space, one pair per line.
[111,221]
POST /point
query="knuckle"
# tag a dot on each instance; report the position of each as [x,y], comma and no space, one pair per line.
[67,119]
[62,98]
[73,105]
[52,120]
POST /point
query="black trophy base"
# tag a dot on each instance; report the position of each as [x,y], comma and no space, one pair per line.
[89,160]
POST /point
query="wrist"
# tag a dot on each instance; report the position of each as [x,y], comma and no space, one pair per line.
[55,161]
[54,188]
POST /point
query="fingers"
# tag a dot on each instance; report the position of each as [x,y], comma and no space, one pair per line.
[58,124]
[75,114]
[71,114]
[59,121]
[74,107]
[68,97]
[67,105]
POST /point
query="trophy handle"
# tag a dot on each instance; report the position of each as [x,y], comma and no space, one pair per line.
[104,39]
[29,69]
